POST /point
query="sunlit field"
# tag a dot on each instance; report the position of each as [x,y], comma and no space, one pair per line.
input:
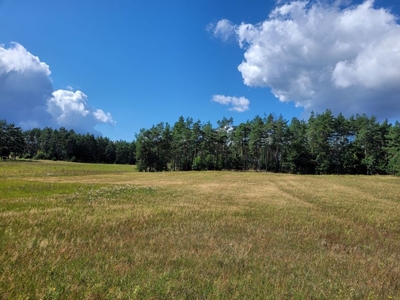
[81,231]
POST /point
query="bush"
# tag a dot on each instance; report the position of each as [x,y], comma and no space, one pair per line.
[40,155]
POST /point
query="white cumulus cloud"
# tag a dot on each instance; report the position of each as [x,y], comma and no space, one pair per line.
[323,56]
[25,86]
[71,110]
[223,29]
[239,104]
[27,97]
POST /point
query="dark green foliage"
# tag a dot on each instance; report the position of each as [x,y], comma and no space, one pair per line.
[298,152]
[63,144]
[125,153]
[393,149]
[371,143]
[320,138]
[11,140]
[182,145]
[153,148]
[241,144]
[324,145]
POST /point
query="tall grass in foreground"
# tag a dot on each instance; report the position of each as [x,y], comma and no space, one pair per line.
[72,231]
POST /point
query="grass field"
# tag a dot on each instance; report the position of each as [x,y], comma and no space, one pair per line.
[81,231]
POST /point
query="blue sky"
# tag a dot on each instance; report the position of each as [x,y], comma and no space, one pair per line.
[117,66]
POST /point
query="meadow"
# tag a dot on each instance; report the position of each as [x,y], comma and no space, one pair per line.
[91,231]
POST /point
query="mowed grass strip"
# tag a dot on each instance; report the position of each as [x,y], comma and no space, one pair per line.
[74,231]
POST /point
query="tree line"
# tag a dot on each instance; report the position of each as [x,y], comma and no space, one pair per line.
[63,144]
[324,144]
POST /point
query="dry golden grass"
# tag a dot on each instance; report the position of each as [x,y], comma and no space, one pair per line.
[73,231]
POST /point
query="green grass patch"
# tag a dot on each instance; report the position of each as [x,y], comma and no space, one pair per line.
[108,232]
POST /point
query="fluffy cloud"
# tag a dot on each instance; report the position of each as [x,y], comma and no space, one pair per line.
[323,56]
[28,100]
[25,86]
[70,109]
[223,29]
[237,104]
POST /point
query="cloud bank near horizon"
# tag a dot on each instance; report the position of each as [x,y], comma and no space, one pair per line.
[322,56]
[27,97]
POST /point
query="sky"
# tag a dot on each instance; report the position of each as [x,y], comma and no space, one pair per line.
[113,67]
